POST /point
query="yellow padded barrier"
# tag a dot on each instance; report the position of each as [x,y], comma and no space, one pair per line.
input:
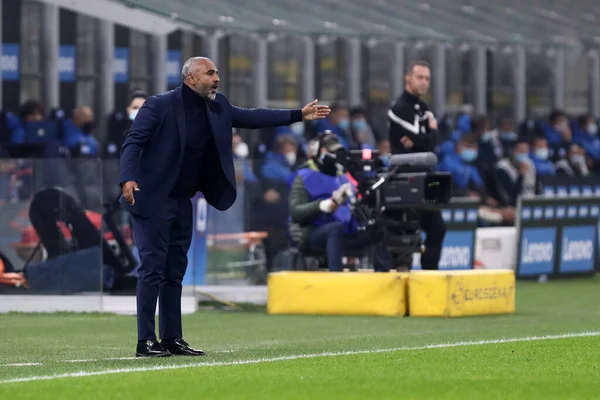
[461,293]
[337,293]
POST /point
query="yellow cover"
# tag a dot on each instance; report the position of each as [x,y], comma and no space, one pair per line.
[461,293]
[337,293]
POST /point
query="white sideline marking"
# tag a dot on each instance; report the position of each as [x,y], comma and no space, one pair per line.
[21,364]
[91,360]
[295,357]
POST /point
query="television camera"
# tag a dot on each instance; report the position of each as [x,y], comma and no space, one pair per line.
[389,199]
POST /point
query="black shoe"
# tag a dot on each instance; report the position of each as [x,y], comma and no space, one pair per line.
[179,347]
[151,348]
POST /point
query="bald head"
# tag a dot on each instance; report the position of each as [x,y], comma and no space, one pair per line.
[202,76]
[83,115]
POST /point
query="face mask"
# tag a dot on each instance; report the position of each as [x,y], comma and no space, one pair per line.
[577,159]
[592,129]
[344,124]
[87,127]
[508,136]
[290,157]
[241,150]
[359,125]
[486,137]
[468,155]
[328,164]
[386,160]
[133,114]
[297,128]
[520,157]
[542,153]
[561,126]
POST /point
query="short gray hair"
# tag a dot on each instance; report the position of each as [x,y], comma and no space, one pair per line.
[189,66]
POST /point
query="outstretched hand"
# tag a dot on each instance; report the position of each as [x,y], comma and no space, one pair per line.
[313,111]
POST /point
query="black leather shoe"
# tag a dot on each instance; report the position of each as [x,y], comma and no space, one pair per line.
[179,347]
[151,348]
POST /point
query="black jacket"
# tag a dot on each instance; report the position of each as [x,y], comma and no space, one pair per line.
[408,116]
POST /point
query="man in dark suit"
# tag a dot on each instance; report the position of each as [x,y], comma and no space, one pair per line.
[179,144]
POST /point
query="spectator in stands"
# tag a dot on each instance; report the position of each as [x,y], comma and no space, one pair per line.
[540,155]
[136,100]
[574,164]
[241,152]
[78,135]
[385,151]
[466,178]
[558,133]
[361,130]
[516,175]
[587,137]
[298,129]
[339,123]
[275,175]
[29,111]
[506,135]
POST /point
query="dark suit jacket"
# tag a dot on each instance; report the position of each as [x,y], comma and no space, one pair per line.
[153,149]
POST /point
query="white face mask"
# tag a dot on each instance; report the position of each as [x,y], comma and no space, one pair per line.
[133,114]
[241,150]
[298,128]
[291,158]
[592,129]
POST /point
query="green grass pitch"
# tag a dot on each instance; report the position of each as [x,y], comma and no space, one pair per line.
[549,349]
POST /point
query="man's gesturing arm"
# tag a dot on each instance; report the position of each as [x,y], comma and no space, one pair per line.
[139,135]
[254,118]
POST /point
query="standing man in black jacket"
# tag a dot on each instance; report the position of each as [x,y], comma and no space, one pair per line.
[413,129]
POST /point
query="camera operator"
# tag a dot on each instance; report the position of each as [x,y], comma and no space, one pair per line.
[413,129]
[321,217]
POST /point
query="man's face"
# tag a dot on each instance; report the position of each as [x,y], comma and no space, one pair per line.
[521,148]
[34,117]
[134,107]
[288,148]
[204,79]
[506,125]
[235,140]
[83,116]
[540,144]
[561,123]
[340,117]
[577,151]
[385,147]
[417,80]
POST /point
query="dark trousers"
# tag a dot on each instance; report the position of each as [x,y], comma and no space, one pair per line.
[334,240]
[163,240]
[435,228]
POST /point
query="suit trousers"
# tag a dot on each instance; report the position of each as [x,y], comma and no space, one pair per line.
[163,241]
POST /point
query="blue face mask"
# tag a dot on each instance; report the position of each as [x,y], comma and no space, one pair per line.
[359,125]
[508,136]
[521,157]
[344,124]
[486,137]
[468,155]
[133,114]
[542,153]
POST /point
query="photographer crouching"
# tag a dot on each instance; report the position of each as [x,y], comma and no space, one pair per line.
[321,217]
[413,129]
